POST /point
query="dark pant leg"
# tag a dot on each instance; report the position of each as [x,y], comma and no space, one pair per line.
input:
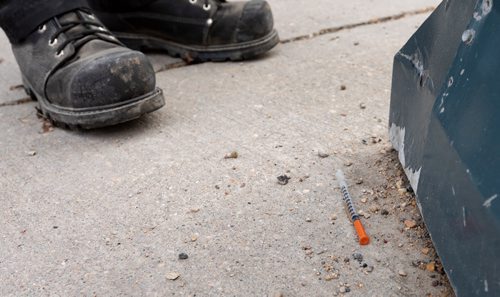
[118,5]
[18,18]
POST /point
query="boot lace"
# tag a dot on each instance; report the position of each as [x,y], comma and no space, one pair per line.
[88,31]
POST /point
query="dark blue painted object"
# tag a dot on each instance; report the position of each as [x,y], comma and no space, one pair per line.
[445,123]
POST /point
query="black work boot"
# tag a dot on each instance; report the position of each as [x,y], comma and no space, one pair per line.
[82,76]
[195,30]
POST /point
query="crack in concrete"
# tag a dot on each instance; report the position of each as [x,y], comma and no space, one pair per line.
[326,31]
[360,24]
[16,102]
[173,66]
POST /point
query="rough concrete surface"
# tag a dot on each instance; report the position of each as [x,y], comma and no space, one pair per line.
[107,212]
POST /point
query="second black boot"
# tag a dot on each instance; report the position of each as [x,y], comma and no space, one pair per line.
[195,30]
[82,76]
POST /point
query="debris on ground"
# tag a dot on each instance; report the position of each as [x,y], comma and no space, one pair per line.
[410,224]
[231,155]
[343,87]
[183,256]
[172,275]
[358,257]
[431,266]
[402,273]
[323,155]
[362,106]
[47,126]
[283,179]
[31,153]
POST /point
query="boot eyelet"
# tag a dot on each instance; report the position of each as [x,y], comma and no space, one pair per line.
[207,7]
[210,22]
[42,29]
[59,54]
[193,1]
[53,42]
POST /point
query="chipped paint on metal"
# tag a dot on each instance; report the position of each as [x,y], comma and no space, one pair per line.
[488,202]
[397,137]
[464,216]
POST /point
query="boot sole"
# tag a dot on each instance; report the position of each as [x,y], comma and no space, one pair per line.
[98,117]
[189,53]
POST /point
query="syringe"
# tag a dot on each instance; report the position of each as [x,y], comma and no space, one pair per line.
[363,238]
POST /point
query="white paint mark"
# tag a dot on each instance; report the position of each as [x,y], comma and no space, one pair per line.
[486,7]
[486,285]
[462,72]
[451,80]
[453,191]
[477,16]
[397,137]
[442,110]
[465,220]
[468,36]
[488,202]
[468,171]
[414,59]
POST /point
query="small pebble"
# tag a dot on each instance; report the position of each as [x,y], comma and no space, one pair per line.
[331,277]
[431,266]
[283,179]
[369,268]
[362,106]
[435,283]
[358,256]
[384,212]
[425,251]
[402,273]
[410,224]
[183,256]
[172,275]
[343,289]
[308,220]
[231,155]
[343,88]
[32,153]
[323,155]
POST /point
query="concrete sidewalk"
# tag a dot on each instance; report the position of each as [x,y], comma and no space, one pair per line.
[107,212]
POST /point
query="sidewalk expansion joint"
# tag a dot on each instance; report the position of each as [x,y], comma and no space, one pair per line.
[16,102]
[325,31]
[360,24]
